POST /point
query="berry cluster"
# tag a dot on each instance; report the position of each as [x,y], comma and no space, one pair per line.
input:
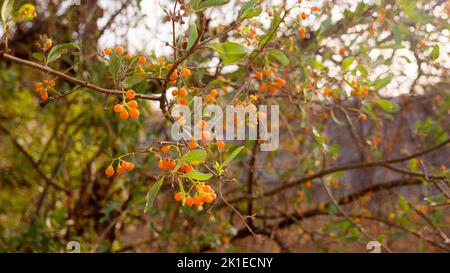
[358,90]
[121,167]
[203,194]
[43,87]
[269,80]
[166,164]
[128,107]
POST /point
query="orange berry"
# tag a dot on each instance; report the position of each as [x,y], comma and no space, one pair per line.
[302,32]
[109,171]
[182,92]
[314,9]
[118,50]
[142,60]
[174,75]
[123,115]
[362,117]
[185,72]
[213,196]
[141,71]
[258,75]
[169,67]
[280,82]
[118,108]
[192,144]
[205,136]
[272,88]
[213,93]
[174,92]
[132,104]
[128,56]
[207,188]
[45,82]
[342,51]
[44,95]
[266,72]
[304,16]
[125,165]
[202,124]
[178,196]
[51,83]
[130,166]
[262,88]
[120,170]
[208,199]
[189,201]
[130,94]
[48,44]
[165,149]
[184,102]
[134,113]
[174,82]
[225,89]
[220,144]
[107,51]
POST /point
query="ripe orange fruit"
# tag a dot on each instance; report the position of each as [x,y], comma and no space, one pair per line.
[220,144]
[272,88]
[130,166]
[213,195]
[304,16]
[178,196]
[174,92]
[258,75]
[132,104]
[169,67]
[128,56]
[182,92]
[225,89]
[118,108]
[342,51]
[189,201]
[44,95]
[202,124]
[314,9]
[130,94]
[207,199]
[184,102]
[124,165]
[142,60]
[262,88]
[302,32]
[207,189]
[123,115]
[134,113]
[51,83]
[118,50]
[174,75]
[362,117]
[109,171]
[280,82]
[165,149]
[107,51]
[192,144]
[185,72]
[205,136]
[213,93]
[120,170]
[266,72]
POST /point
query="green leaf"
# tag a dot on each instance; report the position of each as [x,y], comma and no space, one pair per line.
[194,157]
[197,175]
[38,56]
[151,195]
[270,35]
[232,156]
[347,62]
[387,105]
[183,193]
[403,203]
[198,6]
[114,65]
[135,79]
[57,50]
[435,52]
[193,35]
[230,52]
[409,8]
[381,83]
[7,9]
[279,56]
[249,10]
[317,65]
